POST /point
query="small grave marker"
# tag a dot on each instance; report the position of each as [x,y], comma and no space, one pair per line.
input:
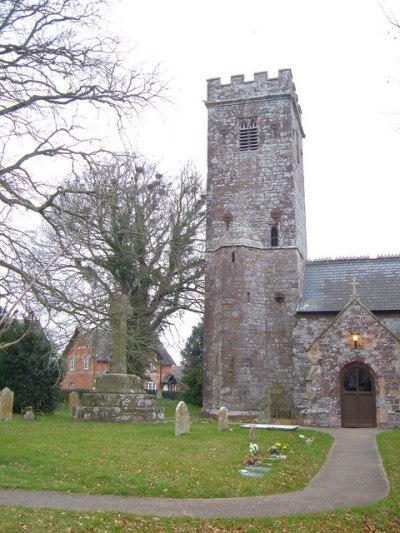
[222,420]
[29,415]
[182,419]
[252,433]
[73,400]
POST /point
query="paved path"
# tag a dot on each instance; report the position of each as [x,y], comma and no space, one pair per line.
[353,476]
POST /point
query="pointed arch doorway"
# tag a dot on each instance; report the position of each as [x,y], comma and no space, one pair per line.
[357,394]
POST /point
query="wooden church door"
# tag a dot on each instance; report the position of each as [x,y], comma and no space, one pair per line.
[358,397]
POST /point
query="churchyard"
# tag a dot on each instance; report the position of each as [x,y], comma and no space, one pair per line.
[57,453]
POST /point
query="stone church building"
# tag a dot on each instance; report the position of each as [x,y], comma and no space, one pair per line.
[315,341]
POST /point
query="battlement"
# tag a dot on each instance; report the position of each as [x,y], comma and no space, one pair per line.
[260,86]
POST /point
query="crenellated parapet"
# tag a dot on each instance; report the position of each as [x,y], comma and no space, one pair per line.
[260,87]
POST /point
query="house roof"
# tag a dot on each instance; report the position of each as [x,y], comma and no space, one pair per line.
[327,284]
[165,358]
[100,343]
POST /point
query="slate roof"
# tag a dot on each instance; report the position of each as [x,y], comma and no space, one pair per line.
[165,358]
[327,284]
[100,342]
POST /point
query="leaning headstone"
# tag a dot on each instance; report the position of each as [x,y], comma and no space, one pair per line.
[252,433]
[6,404]
[158,394]
[73,401]
[222,419]
[182,419]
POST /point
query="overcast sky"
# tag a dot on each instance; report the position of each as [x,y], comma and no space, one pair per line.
[345,62]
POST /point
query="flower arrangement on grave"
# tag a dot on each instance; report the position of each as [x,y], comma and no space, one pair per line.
[277,450]
[254,457]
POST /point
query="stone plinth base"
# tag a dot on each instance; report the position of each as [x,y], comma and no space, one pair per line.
[119,383]
[126,407]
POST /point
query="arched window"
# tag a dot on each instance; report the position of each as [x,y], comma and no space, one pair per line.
[274,236]
[248,135]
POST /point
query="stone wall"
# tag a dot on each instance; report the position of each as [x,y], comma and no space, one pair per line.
[252,287]
[319,363]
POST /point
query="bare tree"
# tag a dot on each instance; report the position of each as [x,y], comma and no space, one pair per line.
[135,233]
[59,76]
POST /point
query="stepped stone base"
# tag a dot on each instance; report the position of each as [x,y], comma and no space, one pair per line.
[128,405]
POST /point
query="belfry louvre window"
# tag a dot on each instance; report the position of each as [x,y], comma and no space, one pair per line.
[248,134]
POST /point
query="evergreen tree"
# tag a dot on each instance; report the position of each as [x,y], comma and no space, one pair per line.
[29,367]
[192,361]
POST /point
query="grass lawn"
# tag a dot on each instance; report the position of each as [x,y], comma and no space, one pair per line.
[56,453]
[27,448]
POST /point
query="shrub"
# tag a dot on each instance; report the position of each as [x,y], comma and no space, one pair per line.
[29,368]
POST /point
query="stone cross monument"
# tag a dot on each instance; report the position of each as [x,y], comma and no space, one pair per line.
[119,396]
[119,380]
[120,311]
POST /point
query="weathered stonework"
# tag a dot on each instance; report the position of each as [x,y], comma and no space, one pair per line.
[320,365]
[278,328]
[118,398]
[252,287]
[125,407]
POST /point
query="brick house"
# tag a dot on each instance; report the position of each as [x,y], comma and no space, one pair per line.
[88,355]
[162,372]
[317,341]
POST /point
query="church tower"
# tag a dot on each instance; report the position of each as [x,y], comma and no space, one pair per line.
[256,243]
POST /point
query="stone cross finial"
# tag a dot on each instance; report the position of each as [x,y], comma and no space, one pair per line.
[120,311]
[354,284]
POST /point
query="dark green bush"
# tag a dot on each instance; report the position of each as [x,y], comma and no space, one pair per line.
[29,367]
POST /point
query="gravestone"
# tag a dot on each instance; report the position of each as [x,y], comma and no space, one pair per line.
[119,397]
[252,433]
[6,404]
[222,419]
[182,419]
[73,401]
[29,415]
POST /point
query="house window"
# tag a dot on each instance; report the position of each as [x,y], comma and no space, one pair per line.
[151,385]
[72,363]
[248,134]
[172,386]
[274,236]
[86,362]
[152,366]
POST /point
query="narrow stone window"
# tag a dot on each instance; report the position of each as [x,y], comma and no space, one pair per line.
[248,297]
[248,135]
[274,236]
[233,257]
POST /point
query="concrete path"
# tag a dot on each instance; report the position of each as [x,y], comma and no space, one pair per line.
[353,476]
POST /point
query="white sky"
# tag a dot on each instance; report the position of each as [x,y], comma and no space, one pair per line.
[345,63]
